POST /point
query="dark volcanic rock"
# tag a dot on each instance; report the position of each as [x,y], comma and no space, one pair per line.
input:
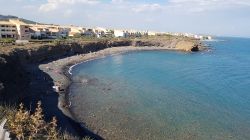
[15,80]
[195,48]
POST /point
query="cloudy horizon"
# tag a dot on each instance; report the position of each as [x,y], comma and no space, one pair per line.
[214,17]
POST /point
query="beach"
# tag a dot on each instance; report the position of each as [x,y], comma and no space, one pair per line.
[60,71]
[41,72]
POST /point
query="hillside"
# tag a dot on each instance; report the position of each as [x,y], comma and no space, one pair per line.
[7,17]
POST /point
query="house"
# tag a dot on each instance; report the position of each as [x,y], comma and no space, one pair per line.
[38,32]
[119,33]
[102,32]
[74,30]
[99,32]
[63,32]
[8,30]
[89,32]
[151,33]
[23,31]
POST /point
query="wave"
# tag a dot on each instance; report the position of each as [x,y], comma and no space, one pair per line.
[214,40]
[100,57]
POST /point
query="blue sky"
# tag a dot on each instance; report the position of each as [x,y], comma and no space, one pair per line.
[215,17]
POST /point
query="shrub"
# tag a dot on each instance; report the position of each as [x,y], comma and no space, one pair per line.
[7,40]
[24,125]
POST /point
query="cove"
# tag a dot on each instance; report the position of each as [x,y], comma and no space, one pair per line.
[165,95]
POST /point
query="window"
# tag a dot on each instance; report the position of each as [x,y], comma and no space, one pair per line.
[2,26]
[3,30]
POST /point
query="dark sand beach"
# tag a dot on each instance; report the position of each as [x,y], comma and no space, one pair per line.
[59,72]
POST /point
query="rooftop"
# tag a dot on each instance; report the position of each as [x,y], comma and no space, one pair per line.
[6,23]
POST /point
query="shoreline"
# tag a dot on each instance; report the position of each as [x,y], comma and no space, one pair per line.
[60,72]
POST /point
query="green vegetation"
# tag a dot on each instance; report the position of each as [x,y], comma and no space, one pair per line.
[24,125]
[7,40]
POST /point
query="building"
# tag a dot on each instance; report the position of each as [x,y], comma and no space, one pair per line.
[8,30]
[75,30]
[119,33]
[103,32]
[63,32]
[99,32]
[150,33]
[23,31]
[39,31]
[89,33]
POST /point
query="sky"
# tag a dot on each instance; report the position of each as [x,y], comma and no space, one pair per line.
[211,17]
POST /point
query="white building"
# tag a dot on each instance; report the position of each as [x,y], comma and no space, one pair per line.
[23,30]
[75,30]
[89,33]
[42,31]
[8,30]
[119,33]
[103,32]
[150,33]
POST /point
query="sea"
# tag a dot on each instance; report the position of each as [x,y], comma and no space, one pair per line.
[167,95]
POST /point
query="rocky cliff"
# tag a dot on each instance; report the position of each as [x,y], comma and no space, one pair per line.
[14,80]
[13,77]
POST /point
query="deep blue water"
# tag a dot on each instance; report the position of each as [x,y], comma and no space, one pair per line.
[167,95]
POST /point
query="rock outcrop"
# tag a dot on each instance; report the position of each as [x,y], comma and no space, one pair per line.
[181,44]
[188,46]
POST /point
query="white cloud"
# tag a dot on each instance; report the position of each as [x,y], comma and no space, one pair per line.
[210,2]
[198,16]
[48,7]
[205,5]
[55,4]
[147,7]
[68,13]
[117,1]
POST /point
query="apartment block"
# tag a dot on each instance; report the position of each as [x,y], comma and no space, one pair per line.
[23,31]
[8,30]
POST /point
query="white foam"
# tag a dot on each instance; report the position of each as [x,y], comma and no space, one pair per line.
[71,67]
[100,57]
[213,40]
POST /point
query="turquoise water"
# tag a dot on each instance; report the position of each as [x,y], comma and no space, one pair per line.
[165,95]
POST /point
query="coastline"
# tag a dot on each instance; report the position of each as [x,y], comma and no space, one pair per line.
[34,72]
[60,72]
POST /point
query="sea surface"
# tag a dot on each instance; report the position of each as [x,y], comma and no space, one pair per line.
[167,95]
